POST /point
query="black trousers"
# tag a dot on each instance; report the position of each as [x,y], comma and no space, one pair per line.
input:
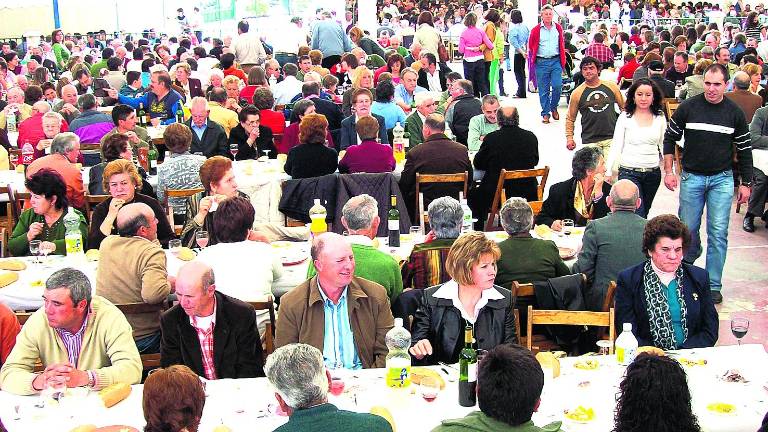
[476,73]
[519,65]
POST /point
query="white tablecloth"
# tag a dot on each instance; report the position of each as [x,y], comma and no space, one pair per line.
[27,292]
[247,404]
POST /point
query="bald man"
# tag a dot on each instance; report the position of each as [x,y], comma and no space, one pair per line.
[133,270]
[68,105]
[612,243]
[208,137]
[354,310]
[213,334]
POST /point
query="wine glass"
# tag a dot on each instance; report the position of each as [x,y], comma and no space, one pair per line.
[174,246]
[201,237]
[567,226]
[233,148]
[54,390]
[739,328]
[429,387]
[34,249]
[266,153]
[47,248]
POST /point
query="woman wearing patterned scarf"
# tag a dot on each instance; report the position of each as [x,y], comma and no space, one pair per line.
[667,301]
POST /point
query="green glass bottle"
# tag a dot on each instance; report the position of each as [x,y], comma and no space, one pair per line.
[467,371]
[393,223]
[180,113]
[153,160]
[141,114]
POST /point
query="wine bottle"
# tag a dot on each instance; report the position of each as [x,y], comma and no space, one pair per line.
[180,113]
[467,371]
[141,114]
[153,160]
[393,223]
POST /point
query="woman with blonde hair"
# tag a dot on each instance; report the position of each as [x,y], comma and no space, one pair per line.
[183,83]
[362,77]
[470,298]
[755,75]
[367,44]
[231,84]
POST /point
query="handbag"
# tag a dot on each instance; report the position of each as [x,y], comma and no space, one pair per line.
[442,52]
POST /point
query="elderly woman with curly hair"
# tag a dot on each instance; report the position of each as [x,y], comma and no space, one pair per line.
[580,198]
[469,298]
[312,158]
[180,169]
[173,400]
[654,396]
[668,302]
[116,146]
[122,180]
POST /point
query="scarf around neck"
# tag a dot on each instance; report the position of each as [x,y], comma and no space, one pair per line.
[657,303]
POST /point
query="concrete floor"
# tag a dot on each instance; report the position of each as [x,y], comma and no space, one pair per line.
[745,278]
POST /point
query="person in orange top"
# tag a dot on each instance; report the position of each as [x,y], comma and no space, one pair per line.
[274,120]
[227,62]
[9,328]
[65,149]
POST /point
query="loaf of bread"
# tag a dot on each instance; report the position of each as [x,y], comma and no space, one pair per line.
[651,350]
[12,264]
[7,278]
[92,255]
[114,393]
[418,373]
[186,254]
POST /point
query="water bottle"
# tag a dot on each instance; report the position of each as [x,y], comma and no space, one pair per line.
[466,223]
[27,153]
[398,143]
[626,345]
[398,362]
[10,121]
[73,238]
[398,132]
[318,214]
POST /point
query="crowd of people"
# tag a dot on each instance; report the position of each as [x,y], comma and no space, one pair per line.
[330,96]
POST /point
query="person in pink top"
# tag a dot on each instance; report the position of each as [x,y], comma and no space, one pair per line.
[369,156]
[472,43]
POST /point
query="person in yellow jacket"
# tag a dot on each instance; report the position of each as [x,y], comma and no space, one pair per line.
[83,339]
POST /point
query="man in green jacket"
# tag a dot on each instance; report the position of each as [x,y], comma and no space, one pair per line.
[360,217]
[425,105]
[301,383]
[85,341]
[509,385]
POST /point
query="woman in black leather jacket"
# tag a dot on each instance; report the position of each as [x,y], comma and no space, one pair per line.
[469,297]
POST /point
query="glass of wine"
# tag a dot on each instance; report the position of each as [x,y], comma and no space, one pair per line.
[739,328]
[233,148]
[201,237]
[174,246]
[429,388]
[337,382]
[34,249]
[47,248]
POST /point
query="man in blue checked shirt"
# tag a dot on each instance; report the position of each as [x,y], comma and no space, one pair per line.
[344,316]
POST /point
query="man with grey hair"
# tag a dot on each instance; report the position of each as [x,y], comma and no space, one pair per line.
[65,150]
[68,105]
[511,148]
[344,315]
[523,258]
[15,99]
[463,107]
[611,243]
[82,340]
[208,137]
[426,264]
[91,125]
[133,270]
[301,383]
[360,217]
[213,334]
[426,103]
[438,154]
[746,100]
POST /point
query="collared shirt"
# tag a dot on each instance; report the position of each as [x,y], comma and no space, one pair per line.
[479,127]
[450,291]
[518,37]
[549,44]
[401,94]
[199,130]
[433,81]
[73,342]
[339,350]
[601,52]
[204,327]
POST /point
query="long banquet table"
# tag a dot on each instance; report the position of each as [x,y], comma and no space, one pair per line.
[249,404]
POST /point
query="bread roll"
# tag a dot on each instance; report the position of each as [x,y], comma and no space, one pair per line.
[7,278]
[418,373]
[650,350]
[186,254]
[114,393]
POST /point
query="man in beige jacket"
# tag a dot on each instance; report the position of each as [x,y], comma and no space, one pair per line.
[132,269]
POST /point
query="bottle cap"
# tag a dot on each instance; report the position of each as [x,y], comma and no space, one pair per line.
[317,201]
[398,322]
[627,327]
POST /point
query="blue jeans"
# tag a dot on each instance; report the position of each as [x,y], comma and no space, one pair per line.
[149,344]
[716,192]
[549,74]
[647,183]
[283,58]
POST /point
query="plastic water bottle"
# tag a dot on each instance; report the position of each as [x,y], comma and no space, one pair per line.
[27,153]
[73,238]
[398,143]
[318,214]
[466,224]
[398,365]
[10,121]
[626,345]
